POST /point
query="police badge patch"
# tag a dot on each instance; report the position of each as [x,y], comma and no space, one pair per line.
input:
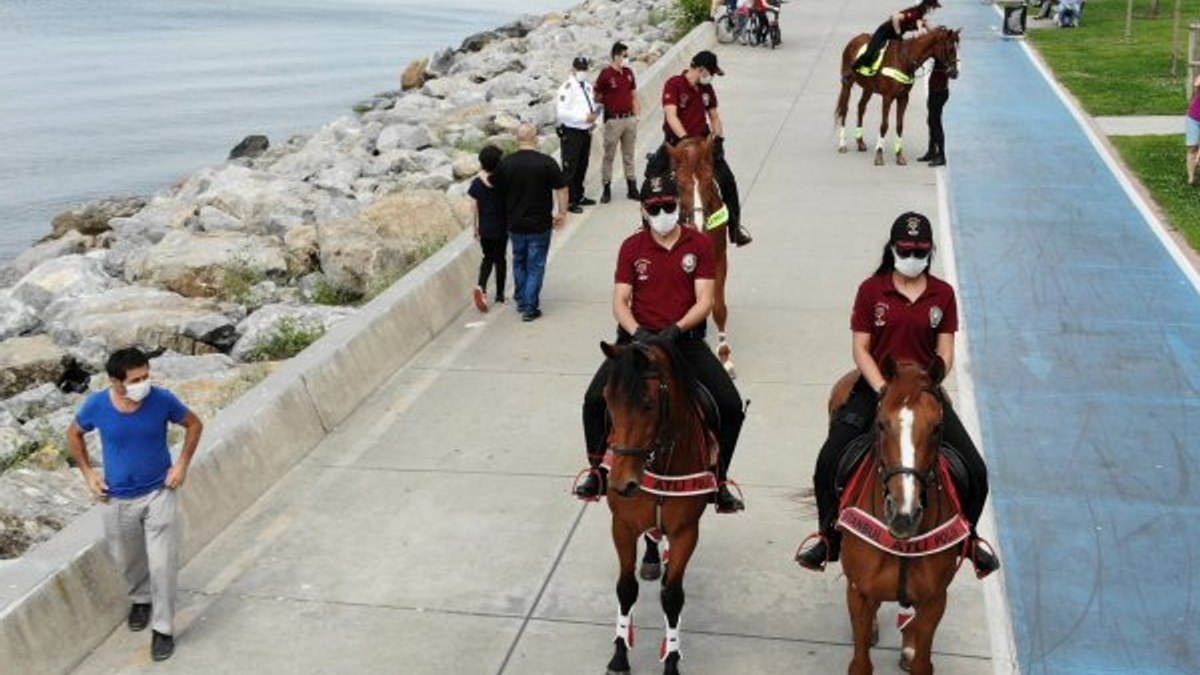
[935,316]
[689,263]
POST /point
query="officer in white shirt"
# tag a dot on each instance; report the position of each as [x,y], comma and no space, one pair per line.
[577,114]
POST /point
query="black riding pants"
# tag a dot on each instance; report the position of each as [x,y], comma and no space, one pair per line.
[879,38]
[708,370]
[855,418]
[576,146]
[722,174]
[937,135]
[494,251]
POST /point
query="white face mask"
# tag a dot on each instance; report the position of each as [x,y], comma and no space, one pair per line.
[911,267]
[663,223]
[706,79]
[581,75]
[138,391]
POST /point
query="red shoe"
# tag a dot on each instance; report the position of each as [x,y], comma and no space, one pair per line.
[480,300]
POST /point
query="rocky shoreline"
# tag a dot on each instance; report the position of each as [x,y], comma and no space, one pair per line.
[243,264]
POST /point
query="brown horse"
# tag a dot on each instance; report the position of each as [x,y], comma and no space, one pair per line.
[659,479]
[903,516]
[692,161]
[902,59]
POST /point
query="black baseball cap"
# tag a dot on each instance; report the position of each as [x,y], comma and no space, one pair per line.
[911,230]
[659,189]
[581,63]
[708,61]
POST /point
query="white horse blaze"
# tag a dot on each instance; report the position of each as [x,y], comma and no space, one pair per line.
[908,460]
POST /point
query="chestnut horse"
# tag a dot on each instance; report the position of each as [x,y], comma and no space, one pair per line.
[902,59]
[692,161]
[657,440]
[903,491]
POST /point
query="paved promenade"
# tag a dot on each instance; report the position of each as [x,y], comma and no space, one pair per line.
[433,532]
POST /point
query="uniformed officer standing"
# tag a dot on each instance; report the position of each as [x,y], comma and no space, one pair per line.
[576,120]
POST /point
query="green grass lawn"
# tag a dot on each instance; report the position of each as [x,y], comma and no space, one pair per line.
[1158,161]
[1112,76]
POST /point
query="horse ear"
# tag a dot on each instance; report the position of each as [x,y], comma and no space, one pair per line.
[937,370]
[610,350]
[888,368]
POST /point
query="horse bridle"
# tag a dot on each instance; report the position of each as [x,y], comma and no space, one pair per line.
[662,442]
[927,477]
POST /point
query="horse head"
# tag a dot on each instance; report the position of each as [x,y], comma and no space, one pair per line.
[692,159]
[945,50]
[910,436]
[648,396]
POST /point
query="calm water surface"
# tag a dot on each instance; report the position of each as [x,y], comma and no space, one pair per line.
[116,97]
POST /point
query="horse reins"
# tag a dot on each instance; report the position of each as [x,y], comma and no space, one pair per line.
[662,441]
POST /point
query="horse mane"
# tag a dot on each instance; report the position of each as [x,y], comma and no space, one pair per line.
[628,378]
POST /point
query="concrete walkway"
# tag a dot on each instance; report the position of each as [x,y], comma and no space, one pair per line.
[1140,125]
[434,533]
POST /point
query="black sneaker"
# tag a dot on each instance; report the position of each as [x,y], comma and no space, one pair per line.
[532,315]
[738,236]
[727,502]
[606,195]
[632,192]
[983,558]
[926,157]
[139,616]
[575,208]
[585,201]
[940,160]
[162,646]
[591,487]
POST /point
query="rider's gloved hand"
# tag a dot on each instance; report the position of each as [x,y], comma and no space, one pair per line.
[642,335]
[670,333]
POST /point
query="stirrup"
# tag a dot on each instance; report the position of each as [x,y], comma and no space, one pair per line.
[819,535]
[580,477]
[741,499]
[975,542]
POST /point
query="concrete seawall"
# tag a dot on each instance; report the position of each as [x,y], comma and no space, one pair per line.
[62,599]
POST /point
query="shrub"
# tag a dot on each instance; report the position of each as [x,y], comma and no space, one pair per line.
[238,279]
[689,14]
[329,293]
[291,336]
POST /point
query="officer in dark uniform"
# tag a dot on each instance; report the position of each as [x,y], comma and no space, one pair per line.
[904,21]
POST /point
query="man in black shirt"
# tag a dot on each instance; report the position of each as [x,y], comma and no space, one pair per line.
[530,180]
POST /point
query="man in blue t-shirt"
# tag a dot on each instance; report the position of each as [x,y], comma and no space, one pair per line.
[139,485]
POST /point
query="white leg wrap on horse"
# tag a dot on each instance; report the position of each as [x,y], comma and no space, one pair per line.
[858,133]
[841,136]
[670,642]
[879,143]
[899,145]
[625,627]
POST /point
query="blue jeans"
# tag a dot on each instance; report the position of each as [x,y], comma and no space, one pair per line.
[529,252]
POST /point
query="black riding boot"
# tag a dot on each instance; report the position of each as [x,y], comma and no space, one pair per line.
[592,487]
[827,549]
[984,560]
[632,190]
[929,154]
[606,196]
[738,236]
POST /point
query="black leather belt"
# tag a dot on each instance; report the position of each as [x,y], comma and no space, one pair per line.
[619,116]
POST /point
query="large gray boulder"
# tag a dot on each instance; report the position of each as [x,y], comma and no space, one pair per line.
[38,401]
[68,276]
[251,146]
[14,442]
[150,318]
[269,320]
[70,243]
[93,217]
[26,362]
[266,202]
[16,317]
[200,265]
[403,137]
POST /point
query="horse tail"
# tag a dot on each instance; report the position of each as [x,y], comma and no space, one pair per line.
[843,102]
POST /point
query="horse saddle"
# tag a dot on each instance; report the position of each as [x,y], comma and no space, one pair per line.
[860,448]
[876,67]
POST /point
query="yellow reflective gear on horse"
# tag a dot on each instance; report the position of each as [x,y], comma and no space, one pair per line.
[872,68]
[717,219]
[897,75]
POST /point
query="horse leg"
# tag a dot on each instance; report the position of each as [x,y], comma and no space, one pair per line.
[840,114]
[862,621]
[883,130]
[901,104]
[683,543]
[625,541]
[918,637]
[862,113]
[651,567]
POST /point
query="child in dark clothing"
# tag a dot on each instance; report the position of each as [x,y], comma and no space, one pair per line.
[490,227]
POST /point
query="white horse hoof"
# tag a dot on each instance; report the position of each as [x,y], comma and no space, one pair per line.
[842,149]
[906,658]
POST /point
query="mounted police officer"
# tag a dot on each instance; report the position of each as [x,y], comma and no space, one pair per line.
[664,290]
[904,21]
[577,114]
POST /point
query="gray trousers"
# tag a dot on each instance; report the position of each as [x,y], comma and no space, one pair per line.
[623,131]
[143,536]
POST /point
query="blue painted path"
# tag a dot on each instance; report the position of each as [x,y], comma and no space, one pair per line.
[1085,340]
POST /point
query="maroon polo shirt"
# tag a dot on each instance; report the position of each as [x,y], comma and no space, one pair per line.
[909,18]
[900,328]
[664,281]
[691,104]
[614,88]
